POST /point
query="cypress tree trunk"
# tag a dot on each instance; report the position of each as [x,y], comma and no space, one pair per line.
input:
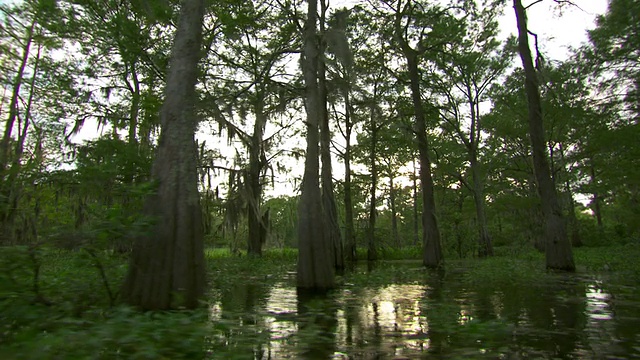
[372,253]
[167,269]
[257,235]
[332,226]
[432,249]
[315,261]
[557,245]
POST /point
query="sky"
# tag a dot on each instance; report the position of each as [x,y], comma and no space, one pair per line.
[557,30]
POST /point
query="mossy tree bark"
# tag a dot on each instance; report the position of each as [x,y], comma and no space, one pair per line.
[167,269]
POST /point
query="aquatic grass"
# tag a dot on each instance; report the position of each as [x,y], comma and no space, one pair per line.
[217,253]
[384,273]
[498,271]
[270,253]
[226,271]
[619,260]
[281,254]
[390,253]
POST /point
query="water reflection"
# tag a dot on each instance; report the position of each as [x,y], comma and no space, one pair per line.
[598,302]
[317,319]
[442,317]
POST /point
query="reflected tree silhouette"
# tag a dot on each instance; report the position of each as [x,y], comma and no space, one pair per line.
[317,324]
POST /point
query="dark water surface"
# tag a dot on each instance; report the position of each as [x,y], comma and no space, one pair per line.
[441,316]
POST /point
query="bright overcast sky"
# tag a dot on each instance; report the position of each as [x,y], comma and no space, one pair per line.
[557,30]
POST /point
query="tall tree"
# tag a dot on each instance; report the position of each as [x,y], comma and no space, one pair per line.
[255,49]
[356,23]
[557,245]
[347,131]
[25,48]
[614,157]
[119,90]
[15,93]
[10,160]
[374,129]
[332,227]
[167,269]
[315,261]
[409,16]
[465,74]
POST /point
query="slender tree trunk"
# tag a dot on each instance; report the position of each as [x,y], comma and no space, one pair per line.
[416,235]
[332,226]
[372,253]
[432,249]
[595,201]
[134,111]
[10,166]
[557,246]
[576,239]
[485,247]
[350,240]
[167,269]
[15,97]
[315,261]
[536,217]
[394,213]
[8,190]
[457,223]
[146,127]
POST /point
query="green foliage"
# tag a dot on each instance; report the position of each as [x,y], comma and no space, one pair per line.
[120,333]
[620,260]
[69,316]
[283,213]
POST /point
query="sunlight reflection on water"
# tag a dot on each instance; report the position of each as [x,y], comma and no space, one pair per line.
[572,319]
[598,302]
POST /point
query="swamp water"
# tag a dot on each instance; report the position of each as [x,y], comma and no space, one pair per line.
[417,314]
